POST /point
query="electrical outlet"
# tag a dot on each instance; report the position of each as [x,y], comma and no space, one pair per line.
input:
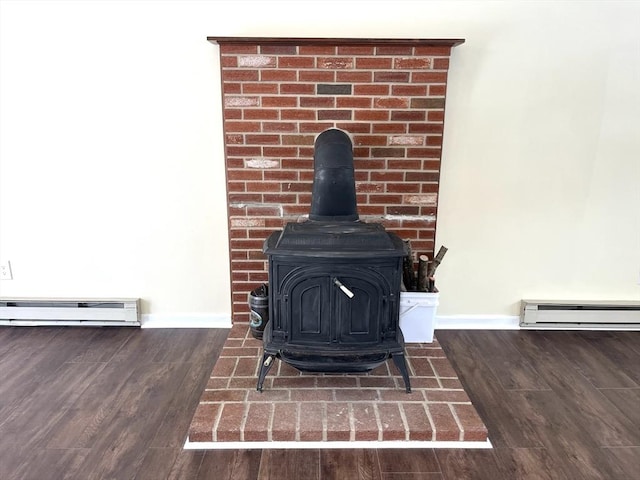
[5,270]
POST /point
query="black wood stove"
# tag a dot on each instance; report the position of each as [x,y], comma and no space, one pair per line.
[334,282]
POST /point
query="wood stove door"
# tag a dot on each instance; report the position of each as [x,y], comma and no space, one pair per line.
[309,311]
[320,312]
[357,317]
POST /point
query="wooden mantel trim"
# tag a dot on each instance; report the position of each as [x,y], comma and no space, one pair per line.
[451,42]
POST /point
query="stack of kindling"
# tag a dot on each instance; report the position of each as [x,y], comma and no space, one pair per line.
[424,281]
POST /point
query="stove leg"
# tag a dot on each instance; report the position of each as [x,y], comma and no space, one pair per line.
[400,362]
[267,363]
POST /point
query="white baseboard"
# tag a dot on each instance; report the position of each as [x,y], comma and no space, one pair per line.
[187,320]
[442,322]
[477,322]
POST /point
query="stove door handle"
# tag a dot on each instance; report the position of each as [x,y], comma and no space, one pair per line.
[344,289]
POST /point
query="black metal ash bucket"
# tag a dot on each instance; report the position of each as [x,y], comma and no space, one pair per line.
[259,310]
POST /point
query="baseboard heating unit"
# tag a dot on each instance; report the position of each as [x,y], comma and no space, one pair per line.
[84,311]
[581,315]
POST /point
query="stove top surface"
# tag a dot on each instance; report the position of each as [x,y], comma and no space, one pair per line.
[338,238]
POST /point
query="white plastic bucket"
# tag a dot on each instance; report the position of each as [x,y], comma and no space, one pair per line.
[417,316]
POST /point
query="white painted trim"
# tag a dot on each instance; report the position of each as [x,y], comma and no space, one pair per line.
[442,322]
[477,322]
[187,320]
[338,444]
[65,323]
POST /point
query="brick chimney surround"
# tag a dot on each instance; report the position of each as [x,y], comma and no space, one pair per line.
[280,93]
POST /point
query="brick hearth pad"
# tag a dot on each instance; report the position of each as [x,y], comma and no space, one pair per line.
[298,410]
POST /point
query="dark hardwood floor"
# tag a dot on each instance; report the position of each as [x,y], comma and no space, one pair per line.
[116,403]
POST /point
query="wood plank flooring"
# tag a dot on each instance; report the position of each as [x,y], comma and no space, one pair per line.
[116,403]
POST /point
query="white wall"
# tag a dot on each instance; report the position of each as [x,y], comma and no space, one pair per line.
[541,185]
[111,156]
[112,159]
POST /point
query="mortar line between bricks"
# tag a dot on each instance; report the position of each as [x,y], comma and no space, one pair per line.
[235,366]
[270,427]
[226,383]
[352,424]
[325,421]
[412,371]
[243,421]
[458,422]
[378,421]
[435,373]
[216,422]
[298,413]
[432,424]
[405,422]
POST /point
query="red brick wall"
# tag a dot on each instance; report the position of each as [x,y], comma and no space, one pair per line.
[389,95]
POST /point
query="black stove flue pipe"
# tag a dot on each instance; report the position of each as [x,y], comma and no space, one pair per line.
[333,197]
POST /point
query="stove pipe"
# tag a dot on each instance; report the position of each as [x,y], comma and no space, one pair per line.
[333,197]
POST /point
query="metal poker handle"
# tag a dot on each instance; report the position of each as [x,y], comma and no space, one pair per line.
[344,289]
